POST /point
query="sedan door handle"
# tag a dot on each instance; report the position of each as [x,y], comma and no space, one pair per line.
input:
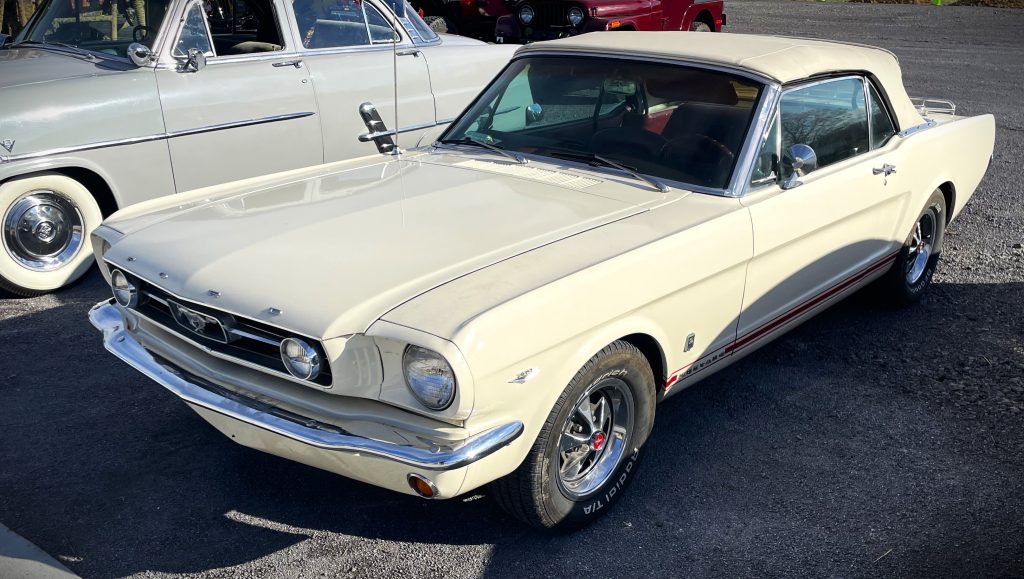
[297,63]
[409,52]
[886,169]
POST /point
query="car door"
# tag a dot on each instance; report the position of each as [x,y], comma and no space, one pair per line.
[356,54]
[250,110]
[814,239]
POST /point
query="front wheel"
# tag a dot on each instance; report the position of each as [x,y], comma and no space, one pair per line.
[915,265]
[589,448]
[46,221]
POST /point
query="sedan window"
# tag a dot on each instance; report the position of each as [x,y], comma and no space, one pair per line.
[338,23]
[675,122]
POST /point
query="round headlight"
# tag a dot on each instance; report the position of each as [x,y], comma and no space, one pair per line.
[301,359]
[429,377]
[125,292]
[575,16]
[526,14]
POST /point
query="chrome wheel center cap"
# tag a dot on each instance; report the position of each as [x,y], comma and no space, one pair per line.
[45,231]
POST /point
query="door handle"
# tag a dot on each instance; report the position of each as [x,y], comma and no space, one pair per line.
[886,169]
[409,52]
[297,63]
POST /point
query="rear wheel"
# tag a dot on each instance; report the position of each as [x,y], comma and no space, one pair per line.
[699,26]
[46,220]
[589,448]
[912,272]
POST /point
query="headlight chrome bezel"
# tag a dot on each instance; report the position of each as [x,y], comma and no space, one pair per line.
[306,355]
[526,14]
[126,294]
[579,20]
[413,354]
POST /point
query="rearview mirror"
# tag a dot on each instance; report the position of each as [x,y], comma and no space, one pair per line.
[798,161]
[620,86]
[534,113]
[379,133]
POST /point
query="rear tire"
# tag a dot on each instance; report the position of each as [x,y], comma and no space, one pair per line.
[911,274]
[589,448]
[699,26]
[45,224]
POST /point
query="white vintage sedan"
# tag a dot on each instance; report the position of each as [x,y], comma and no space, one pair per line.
[616,217]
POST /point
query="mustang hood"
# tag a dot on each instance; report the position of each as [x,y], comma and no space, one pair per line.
[336,252]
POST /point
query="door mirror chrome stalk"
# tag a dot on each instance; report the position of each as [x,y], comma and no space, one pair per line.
[195,61]
[799,160]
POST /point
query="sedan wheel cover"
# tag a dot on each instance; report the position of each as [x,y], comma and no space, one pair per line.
[921,244]
[594,437]
[43,231]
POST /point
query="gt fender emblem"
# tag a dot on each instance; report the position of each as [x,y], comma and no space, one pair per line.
[7,144]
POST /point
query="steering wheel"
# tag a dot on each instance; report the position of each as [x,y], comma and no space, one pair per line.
[140,32]
[726,152]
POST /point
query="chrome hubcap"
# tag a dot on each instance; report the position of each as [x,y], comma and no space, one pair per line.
[43,230]
[594,437]
[920,244]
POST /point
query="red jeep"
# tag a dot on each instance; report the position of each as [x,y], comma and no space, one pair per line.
[532,20]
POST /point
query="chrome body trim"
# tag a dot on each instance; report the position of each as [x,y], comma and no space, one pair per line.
[197,392]
[367,137]
[927,124]
[758,132]
[155,137]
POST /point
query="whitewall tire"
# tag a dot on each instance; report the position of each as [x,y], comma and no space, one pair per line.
[45,223]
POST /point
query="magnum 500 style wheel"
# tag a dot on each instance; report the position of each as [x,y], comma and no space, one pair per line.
[45,222]
[912,272]
[589,448]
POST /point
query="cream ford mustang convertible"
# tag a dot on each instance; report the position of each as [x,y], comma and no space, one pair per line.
[615,217]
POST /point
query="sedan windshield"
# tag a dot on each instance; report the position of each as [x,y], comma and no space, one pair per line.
[668,121]
[102,26]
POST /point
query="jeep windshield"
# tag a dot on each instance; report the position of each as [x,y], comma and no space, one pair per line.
[98,26]
[668,121]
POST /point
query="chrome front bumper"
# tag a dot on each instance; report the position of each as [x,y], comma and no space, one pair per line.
[205,395]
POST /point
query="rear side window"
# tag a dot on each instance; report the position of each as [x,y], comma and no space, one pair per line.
[831,117]
[882,128]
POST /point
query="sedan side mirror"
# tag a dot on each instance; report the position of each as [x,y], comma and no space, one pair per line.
[534,114]
[798,161]
[140,54]
[195,61]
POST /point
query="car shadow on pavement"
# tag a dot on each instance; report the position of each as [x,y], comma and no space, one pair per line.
[857,430]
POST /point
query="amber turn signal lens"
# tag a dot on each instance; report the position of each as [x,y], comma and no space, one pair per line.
[614,24]
[422,486]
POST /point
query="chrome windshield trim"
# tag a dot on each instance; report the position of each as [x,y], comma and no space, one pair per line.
[203,394]
[155,137]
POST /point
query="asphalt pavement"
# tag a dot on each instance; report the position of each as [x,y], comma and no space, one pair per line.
[868,442]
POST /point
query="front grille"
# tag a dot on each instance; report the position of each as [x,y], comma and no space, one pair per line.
[240,338]
[551,14]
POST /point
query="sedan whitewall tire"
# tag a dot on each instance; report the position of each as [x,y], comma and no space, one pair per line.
[45,223]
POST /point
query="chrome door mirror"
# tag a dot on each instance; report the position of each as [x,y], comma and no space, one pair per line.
[378,131]
[534,114]
[140,54]
[195,61]
[798,161]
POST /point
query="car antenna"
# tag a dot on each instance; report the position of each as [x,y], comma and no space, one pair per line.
[399,6]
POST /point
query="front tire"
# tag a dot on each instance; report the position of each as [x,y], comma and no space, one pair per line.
[589,448]
[911,274]
[45,223]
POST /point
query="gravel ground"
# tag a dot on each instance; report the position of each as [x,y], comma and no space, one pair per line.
[867,442]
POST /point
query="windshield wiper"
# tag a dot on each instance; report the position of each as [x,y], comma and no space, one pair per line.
[60,46]
[477,142]
[598,160]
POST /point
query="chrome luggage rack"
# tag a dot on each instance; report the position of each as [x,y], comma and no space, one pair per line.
[927,106]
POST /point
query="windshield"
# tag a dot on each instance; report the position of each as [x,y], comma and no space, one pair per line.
[103,26]
[671,121]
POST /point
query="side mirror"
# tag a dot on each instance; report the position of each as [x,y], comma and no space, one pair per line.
[140,54]
[798,161]
[534,114]
[195,61]
[379,132]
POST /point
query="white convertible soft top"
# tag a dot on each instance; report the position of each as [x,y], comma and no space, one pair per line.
[783,59]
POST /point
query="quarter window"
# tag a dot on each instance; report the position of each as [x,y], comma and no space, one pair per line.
[881,125]
[830,117]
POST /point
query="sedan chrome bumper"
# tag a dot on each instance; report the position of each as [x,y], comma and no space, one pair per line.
[203,394]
